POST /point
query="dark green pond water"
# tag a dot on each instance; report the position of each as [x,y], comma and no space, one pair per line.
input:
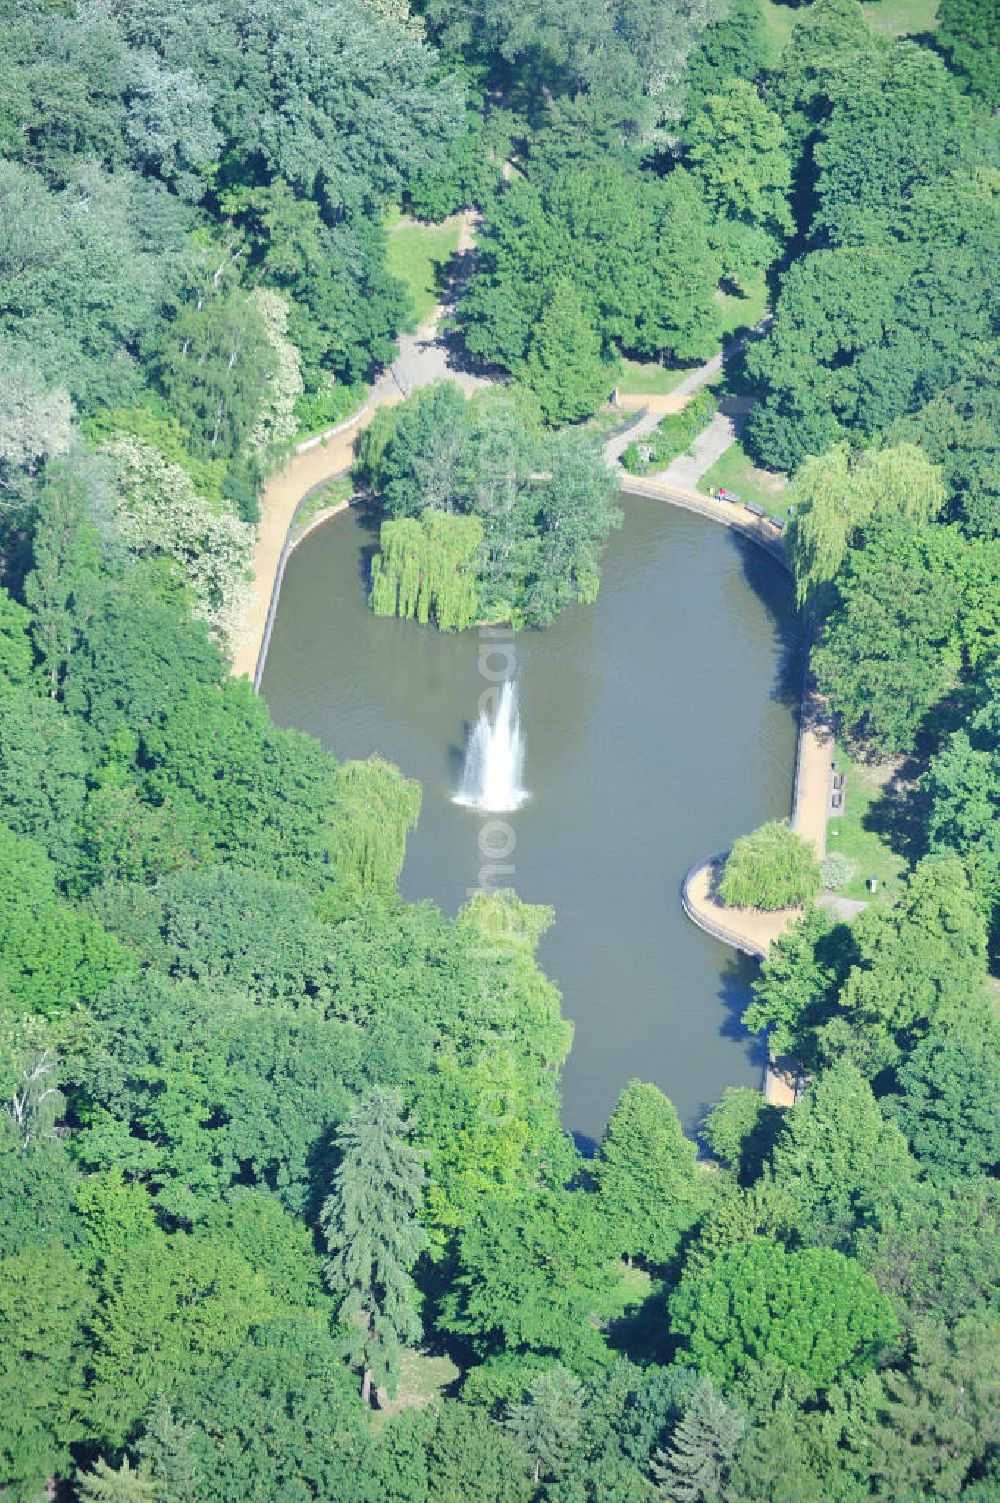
[658,724]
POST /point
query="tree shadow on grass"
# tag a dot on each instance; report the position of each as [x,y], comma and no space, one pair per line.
[899,815]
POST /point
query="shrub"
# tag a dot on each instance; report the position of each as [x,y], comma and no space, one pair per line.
[673,435]
[770,868]
[836,871]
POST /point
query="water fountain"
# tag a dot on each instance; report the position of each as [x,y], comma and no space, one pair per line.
[491,778]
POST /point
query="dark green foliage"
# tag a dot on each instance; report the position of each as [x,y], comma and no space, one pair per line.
[967,30]
[922,965]
[701,1448]
[637,257]
[891,647]
[941,1413]
[371,1228]
[733,47]
[949,1105]
[798,982]
[897,123]
[213,1002]
[812,1311]
[528,1272]
[935,1249]
[44,1302]
[280,1416]
[545,502]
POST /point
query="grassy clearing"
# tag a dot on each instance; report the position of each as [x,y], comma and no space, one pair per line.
[902,18]
[894,18]
[779,22]
[418,254]
[743,311]
[733,471]
[647,378]
[331,494]
[848,833]
[422,1380]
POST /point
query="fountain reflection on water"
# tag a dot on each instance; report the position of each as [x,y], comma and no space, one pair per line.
[494,758]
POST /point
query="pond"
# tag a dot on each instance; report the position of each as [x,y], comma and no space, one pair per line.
[659,723]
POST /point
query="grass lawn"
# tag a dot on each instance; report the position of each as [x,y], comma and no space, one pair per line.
[847,834]
[648,378]
[734,472]
[742,312]
[418,254]
[422,1379]
[892,17]
[897,18]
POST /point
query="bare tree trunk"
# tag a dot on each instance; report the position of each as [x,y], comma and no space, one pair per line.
[366,1387]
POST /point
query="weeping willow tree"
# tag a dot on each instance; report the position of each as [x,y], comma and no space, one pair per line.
[427,567]
[376,808]
[838,492]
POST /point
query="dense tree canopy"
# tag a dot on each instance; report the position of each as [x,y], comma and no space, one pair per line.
[269,1133]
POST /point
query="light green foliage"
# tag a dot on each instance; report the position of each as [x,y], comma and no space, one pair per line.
[215,364]
[963,784]
[736,148]
[427,568]
[770,868]
[107,1484]
[376,809]
[52,956]
[836,494]
[672,435]
[836,1155]
[813,1311]
[370,1225]
[169,1308]
[276,423]
[563,365]
[650,1189]
[206,763]
[36,422]
[44,1302]
[836,870]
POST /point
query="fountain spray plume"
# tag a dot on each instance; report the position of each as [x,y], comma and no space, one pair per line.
[494,758]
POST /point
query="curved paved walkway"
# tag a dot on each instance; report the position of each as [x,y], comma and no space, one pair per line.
[423,357]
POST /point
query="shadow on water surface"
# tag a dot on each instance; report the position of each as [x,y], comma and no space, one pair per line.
[773,588]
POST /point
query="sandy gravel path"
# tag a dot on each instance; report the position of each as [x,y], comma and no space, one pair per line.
[423,357]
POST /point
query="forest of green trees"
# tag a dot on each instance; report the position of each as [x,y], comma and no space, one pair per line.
[272,1140]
